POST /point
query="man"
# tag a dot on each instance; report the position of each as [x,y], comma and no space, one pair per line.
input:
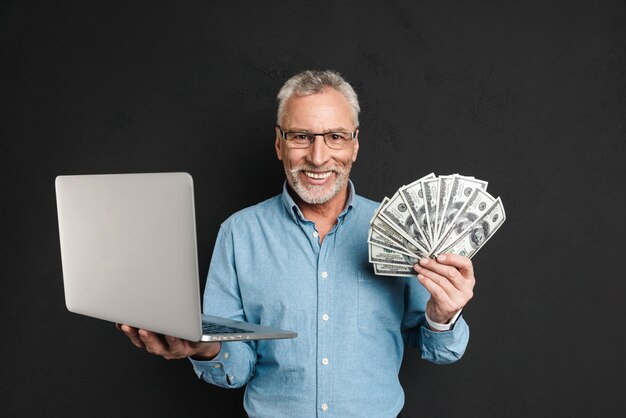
[299,261]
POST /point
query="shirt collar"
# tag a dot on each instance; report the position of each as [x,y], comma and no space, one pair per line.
[295,211]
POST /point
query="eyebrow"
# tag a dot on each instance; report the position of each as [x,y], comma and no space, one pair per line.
[339,129]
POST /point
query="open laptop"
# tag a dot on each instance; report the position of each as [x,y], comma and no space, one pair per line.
[128,252]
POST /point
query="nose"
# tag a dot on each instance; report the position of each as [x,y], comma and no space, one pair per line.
[319,153]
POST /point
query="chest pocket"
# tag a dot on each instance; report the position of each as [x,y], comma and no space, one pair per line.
[380,303]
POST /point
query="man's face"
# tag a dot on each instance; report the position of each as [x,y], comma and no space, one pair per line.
[318,173]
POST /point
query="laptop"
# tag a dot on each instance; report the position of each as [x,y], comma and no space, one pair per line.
[128,254]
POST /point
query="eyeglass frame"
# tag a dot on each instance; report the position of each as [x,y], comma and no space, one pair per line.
[353,135]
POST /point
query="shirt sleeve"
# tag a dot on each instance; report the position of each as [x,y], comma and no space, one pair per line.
[234,365]
[437,347]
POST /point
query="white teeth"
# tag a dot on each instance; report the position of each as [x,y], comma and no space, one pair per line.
[318,176]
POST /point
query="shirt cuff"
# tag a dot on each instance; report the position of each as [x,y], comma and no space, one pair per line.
[231,368]
[436,326]
[212,370]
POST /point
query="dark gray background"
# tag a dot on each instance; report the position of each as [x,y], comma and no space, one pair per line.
[530,96]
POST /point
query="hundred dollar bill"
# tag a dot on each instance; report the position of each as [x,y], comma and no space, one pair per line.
[479,202]
[396,213]
[383,203]
[460,191]
[376,238]
[430,200]
[385,256]
[383,228]
[413,196]
[479,232]
[443,189]
[387,270]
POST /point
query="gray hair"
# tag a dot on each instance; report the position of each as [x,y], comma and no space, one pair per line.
[312,82]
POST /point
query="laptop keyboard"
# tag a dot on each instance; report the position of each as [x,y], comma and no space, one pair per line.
[211,328]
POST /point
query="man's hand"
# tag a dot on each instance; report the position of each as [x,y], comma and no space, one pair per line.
[450,281]
[170,348]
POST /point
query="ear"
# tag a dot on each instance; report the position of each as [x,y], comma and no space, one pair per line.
[355,151]
[278,144]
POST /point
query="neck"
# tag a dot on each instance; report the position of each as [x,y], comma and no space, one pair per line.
[325,213]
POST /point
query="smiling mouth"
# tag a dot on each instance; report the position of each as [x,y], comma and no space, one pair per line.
[317,176]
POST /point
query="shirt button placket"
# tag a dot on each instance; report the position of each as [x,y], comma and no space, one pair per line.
[323,345]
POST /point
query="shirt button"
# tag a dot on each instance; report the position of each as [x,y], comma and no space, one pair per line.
[226,355]
[325,317]
[315,234]
[325,361]
[324,407]
[324,274]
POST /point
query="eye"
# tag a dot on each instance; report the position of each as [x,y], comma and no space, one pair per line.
[298,136]
[338,136]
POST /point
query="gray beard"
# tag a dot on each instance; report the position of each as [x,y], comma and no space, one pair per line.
[314,195]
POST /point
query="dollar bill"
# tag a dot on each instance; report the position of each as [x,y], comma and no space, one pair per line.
[383,203]
[383,228]
[376,238]
[479,232]
[478,203]
[413,196]
[396,213]
[385,256]
[461,189]
[430,190]
[388,270]
[443,190]
[389,232]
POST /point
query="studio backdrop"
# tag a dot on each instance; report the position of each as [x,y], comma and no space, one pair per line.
[530,96]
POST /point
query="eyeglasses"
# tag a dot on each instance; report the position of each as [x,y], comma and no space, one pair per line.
[334,140]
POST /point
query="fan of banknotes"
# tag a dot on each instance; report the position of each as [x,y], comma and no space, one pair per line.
[432,215]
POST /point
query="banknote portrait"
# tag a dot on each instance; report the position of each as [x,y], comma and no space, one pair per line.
[479,234]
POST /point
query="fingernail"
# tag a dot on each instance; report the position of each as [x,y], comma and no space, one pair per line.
[424,261]
[441,257]
[420,277]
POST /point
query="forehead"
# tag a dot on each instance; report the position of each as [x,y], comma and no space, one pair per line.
[328,109]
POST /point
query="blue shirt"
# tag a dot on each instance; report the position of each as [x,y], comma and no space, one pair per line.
[268,267]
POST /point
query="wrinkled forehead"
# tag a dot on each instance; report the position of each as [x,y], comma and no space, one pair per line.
[326,110]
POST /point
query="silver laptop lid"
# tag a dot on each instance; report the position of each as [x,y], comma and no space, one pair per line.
[128,250]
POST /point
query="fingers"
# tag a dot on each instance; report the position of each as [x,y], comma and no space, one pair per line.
[132,334]
[437,292]
[167,346]
[442,281]
[460,277]
[440,272]
[449,280]
[464,264]
[154,343]
[178,348]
